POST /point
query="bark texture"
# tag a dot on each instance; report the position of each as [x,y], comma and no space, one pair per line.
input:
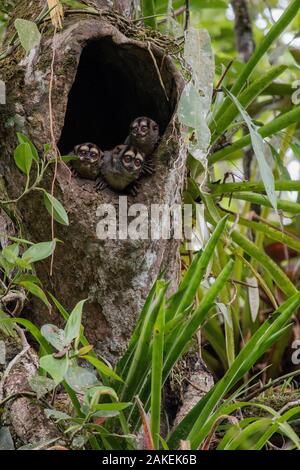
[243,29]
[23,415]
[104,76]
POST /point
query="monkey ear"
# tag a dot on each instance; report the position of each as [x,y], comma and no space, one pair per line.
[76,148]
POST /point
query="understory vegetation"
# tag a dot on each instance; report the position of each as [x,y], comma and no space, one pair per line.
[237,304]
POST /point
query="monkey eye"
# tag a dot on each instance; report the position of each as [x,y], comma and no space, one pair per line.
[83,153]
[127,158]
[144,128]
[137,162]
[93,154]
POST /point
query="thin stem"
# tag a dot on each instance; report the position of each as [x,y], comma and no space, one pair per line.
[187,15]
[271,384]
[256,187]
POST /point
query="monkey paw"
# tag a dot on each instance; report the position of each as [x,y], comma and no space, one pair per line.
[133,189]
[100,184]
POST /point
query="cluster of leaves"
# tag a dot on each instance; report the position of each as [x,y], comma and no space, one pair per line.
[17,273]
[107,413]
[25,156]
[242,298]
[231,115]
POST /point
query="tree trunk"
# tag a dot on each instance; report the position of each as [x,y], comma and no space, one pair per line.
[106,72]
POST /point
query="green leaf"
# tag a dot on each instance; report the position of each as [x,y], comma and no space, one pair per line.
[59,307]
[59,212]
[23,264]
[195,101]
[7,324]
[54,335]
[72,328]
[18,240]
[23,139]
[56,368]
[23,158]
[156,374]
[57,415]
[35,290]
[28,33]
[149,10]
[277,274]
[296,150]
[102,368]
[11,252]
[270,38]
[192,279]
[276,125]
[105,413]
[225,313]
[124,362]
[199,421]
[179,340]
[39,251]
[245,99]
[92,395]
[80,378]
[26,277]
[261,151]
[41,385]
[141,362]
[45,348]
[47,148]
[119,406]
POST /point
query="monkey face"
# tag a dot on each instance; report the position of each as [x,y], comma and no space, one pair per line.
[144,128]
[129,160]
[88,153]
[132,160]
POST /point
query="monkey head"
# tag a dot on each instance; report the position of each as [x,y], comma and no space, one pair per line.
[87,152]
[144,134]
[130,158]
[87,164]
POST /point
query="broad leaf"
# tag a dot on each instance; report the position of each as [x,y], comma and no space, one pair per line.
[28,33]
[253,295]
[72,329]
[54,207]
[54,335]
[56,368]
[35,290]
[41,385]
[80,378]
[11,252]
[39,251]
[23,139]
[23,157]
[262,152]
[102,368]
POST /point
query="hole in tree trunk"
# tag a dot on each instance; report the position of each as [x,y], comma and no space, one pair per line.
[114,84]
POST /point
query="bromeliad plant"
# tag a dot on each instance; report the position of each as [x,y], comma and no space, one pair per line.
[105,401]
